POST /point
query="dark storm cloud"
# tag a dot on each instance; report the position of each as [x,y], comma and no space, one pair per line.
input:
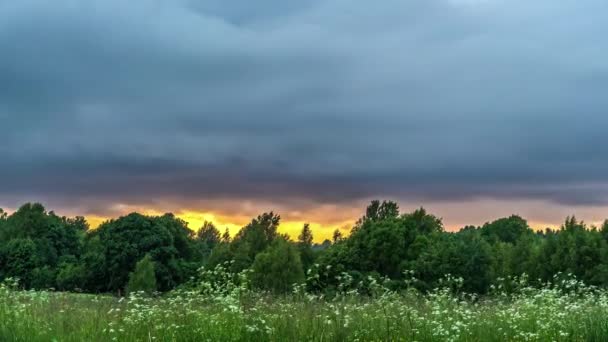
[326,100]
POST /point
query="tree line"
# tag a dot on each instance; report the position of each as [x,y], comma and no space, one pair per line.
[159,253]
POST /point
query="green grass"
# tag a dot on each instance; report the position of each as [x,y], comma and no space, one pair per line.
[569,312]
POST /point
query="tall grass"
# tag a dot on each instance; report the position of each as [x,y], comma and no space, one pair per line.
[564,310]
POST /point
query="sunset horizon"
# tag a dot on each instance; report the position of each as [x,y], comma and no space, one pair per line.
[323,227]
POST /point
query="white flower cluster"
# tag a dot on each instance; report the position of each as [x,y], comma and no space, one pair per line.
[222,307]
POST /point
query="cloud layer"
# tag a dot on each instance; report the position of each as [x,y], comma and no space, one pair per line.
[323,101]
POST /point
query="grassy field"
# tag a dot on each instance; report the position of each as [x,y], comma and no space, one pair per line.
[567,311]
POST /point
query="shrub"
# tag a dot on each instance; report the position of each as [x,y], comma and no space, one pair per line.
[143,279]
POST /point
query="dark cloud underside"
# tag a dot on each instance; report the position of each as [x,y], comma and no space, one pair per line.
[324,100]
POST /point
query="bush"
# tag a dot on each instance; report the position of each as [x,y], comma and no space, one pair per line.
[277,268]
[143,279]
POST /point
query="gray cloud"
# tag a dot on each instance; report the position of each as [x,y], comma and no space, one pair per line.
[327,100]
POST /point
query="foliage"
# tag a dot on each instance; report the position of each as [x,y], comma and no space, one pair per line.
[46,251]
[18,259]
[253,239]
[128,239]
[305,246]
[34,242]
[143,278]
[207,237]
[277,268]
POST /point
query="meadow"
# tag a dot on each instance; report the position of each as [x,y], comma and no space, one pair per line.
[565,310]
[396,277]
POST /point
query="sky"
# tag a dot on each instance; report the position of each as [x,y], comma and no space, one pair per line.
[221,110]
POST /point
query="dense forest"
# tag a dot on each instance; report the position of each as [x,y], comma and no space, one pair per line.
[159,253]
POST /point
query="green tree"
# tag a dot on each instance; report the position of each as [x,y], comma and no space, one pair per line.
[53,236]
[253,239]
[18,260]
[226,236]
[207,237]
[337,236]
[377,211]
[604,230]
[128,239]
[70,276]
[277,268]
[3,229]
[305,246]
[382,244]
[220,254]
[509,229]
[143,278]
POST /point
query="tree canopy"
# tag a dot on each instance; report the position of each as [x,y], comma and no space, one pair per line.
[135,251]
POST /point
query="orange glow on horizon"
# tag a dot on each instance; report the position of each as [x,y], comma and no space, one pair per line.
[325,218]
[195,220]
[321,230]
